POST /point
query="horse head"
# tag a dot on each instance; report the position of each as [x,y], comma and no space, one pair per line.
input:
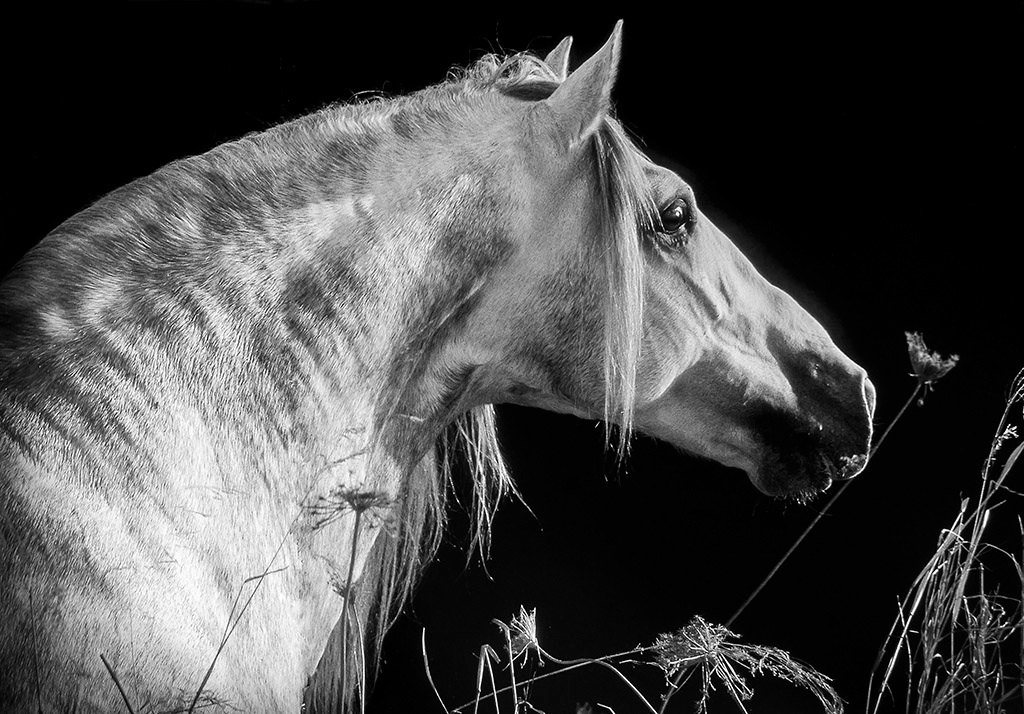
[627,303]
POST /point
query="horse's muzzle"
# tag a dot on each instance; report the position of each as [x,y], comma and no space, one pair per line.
[825,438]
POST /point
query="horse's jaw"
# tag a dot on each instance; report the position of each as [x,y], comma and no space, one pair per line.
[777,472]
[785,449]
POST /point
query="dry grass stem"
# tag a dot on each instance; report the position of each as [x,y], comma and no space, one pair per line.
[959,638]
[117,683]
[698,647]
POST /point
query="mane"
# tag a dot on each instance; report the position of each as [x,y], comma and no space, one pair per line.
[626,214]
[469,448]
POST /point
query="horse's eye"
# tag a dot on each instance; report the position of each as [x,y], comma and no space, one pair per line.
[676,216]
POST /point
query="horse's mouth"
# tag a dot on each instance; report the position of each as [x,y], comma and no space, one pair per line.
[793,475]
[802,474]
[800,456]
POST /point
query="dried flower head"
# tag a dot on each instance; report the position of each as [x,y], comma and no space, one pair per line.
[690,645]
[351,499]
[712,649]
[929,367]
[521,633]
[524,631]
[361,501]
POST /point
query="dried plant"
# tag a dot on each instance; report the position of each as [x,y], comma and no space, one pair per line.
[713,651]
[960,640]
[702,647]
[929,367]
[376,505]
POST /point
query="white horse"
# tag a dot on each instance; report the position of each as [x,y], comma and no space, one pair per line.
[228,390]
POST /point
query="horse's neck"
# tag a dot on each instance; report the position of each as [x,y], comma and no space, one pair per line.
[243,359]
[327,370]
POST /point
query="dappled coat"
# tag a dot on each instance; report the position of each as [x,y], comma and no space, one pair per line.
[230,391]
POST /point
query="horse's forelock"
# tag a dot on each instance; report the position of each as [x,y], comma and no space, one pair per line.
[626,213]
[513,75]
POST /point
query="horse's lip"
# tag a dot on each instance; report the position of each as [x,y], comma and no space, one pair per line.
[801,470]
[795,473]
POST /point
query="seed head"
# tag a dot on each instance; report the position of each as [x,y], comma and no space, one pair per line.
[693,644]
[524,631]
[522,634]
[351,499]
[718,657]
[929,367]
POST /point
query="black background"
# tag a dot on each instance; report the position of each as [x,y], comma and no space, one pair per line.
[865,155]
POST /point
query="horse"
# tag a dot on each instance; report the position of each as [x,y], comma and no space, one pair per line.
[232,392]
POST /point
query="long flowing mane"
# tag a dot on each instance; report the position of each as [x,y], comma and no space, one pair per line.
[470,445]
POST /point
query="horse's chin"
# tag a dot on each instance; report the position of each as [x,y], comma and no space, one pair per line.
[794,476]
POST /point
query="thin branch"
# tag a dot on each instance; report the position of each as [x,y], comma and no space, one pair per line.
[820,514]
[232,625]
[117,683]
[609,666]
[568,666]
[347,605]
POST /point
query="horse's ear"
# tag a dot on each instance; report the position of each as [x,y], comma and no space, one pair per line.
[582,101]
[558,58]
